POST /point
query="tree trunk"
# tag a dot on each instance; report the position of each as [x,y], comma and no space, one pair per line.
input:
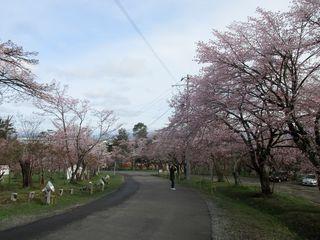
[84,166]
[304,141]
[217,168]
[235,173]
[74,174]
[264,181]
[9,181]
[236,178]
[26,173]
[42,178]
[211,171]
[259,166]
[220,176]
[219,172]
[318,178]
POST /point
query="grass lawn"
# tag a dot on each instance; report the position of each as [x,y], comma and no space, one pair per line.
[12,213]
[280,216]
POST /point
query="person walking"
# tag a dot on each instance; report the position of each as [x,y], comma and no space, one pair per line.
[172,170]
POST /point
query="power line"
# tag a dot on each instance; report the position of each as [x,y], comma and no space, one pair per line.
[157,99]
[159,117]
[136,28]
[149,105]
[162,63]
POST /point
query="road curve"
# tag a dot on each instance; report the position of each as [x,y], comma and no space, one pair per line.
[41,227]
[153,212]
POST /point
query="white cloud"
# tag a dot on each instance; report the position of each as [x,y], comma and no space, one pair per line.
[96,52]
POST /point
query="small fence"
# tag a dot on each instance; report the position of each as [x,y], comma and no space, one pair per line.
[48,197]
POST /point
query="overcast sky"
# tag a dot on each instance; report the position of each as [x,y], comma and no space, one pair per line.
[91,46]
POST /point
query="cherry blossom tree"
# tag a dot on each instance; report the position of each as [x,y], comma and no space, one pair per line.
[75,132]
[171,147]
[221,148]
[10,148]
[58,106]
[32,148]
[16,78]
[262,79]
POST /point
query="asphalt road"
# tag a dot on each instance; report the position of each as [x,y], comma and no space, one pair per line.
[144,208]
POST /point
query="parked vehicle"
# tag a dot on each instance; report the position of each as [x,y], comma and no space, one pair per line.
[280,176]
[310,180]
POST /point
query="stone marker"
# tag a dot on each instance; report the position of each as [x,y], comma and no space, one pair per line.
[91,188]
[48,197]
[106,179]
[47,192]
[60,192]
[14,197]
[101,183]
[31,196]
[71,191]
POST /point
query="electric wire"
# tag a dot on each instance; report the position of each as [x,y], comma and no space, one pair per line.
[151,104]
[148,106]
[158,118]
[136,28]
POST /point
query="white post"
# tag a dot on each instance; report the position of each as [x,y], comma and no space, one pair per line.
[60,192]
[48,197]
[91,188]
[31,196]
[14,197]
[102,184]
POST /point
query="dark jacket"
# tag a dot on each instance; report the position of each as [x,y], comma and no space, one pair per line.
[172,170]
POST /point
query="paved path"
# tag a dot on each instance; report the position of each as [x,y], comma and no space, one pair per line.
[152,212]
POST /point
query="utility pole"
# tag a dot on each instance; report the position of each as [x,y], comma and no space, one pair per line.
[187,155]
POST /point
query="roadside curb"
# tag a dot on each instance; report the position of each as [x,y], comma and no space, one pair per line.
[210,212]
